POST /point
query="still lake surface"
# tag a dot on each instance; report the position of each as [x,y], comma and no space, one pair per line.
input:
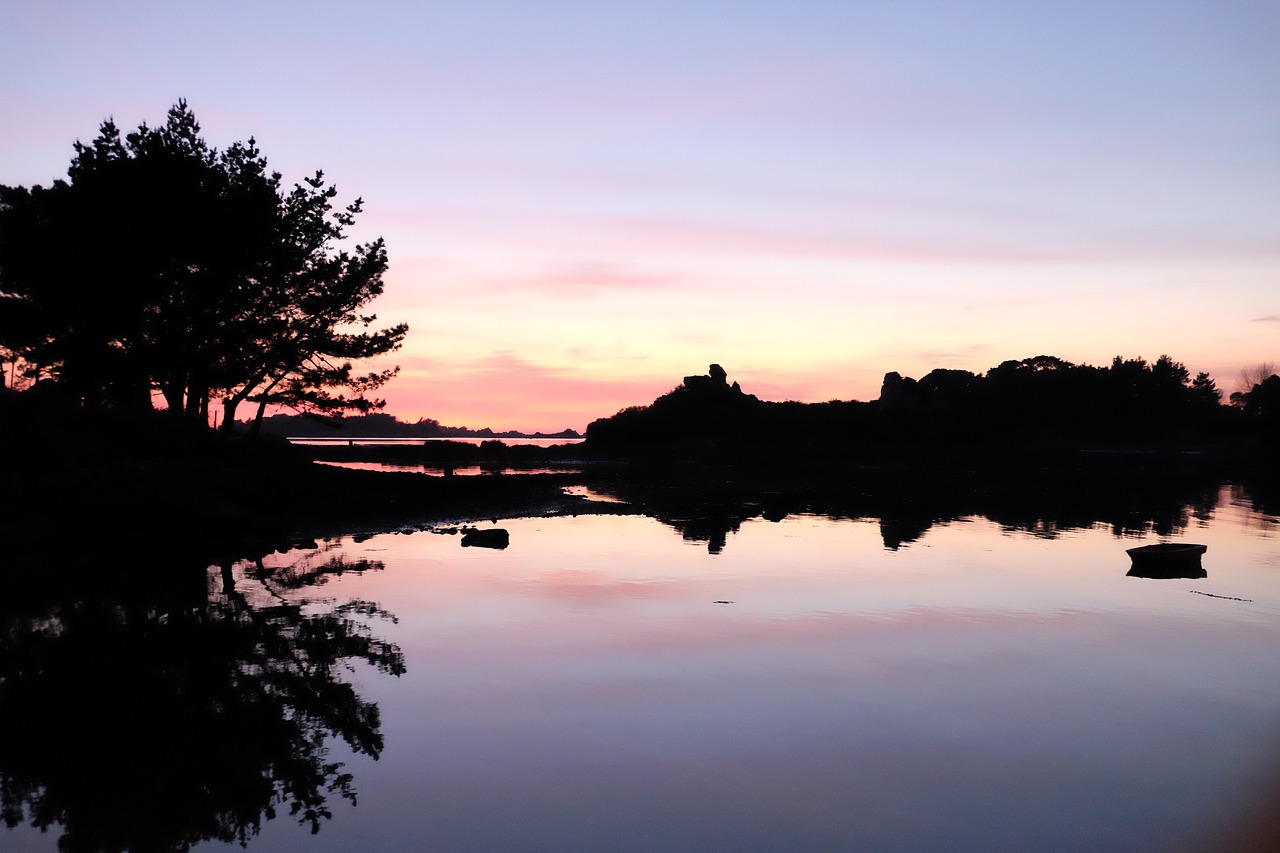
[372,441]
[605,683]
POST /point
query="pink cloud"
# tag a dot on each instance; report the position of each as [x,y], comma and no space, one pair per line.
[587,277]
[657,235]
[951,239]
[505,391]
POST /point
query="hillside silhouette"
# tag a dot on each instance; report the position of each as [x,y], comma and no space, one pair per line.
[1042,404]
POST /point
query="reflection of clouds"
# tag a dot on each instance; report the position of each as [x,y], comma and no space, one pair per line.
[600,588]
[868,644]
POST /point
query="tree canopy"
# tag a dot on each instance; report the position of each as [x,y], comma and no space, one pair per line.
[1032,400]
[164,266]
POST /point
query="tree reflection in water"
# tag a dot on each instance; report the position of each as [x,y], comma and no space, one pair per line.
[710,508]
[150,716]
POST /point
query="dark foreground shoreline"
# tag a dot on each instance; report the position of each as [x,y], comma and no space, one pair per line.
[245,499]
[94,492]
[246,505]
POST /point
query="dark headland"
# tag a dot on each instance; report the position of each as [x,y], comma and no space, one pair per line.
[1040,430]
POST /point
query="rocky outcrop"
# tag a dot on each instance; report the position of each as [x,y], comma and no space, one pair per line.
[898,392]
[702,408]
[714,383]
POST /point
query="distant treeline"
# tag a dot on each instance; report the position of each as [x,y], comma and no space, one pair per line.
[1043,400]
[385,426]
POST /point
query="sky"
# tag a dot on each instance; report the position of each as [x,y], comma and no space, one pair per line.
[584,202]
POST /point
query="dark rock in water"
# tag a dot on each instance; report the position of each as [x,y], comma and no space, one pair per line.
[493,538]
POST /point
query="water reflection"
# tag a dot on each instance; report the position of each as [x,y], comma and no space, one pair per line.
[451,470]
[998,685]
[176,705]
[711,509]
[1154,572]
[979,690]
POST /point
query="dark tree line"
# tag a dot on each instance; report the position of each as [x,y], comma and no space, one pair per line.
[165,267]
[1017,402]
[1261,403]
[1130,398]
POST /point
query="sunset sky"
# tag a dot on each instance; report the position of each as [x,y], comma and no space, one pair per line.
[584,202]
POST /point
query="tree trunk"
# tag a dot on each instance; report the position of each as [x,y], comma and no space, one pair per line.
[172,392]
[229,412]
[257,419]
[262,403]
[230,403]
[197,402]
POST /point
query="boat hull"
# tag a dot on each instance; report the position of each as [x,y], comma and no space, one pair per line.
[1167,560]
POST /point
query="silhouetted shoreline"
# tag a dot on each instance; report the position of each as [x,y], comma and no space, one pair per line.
[706,456]
[1037,407]
[96,486]
[231,499]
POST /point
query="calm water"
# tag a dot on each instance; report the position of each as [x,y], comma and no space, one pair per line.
[476,441]
[606,684]
[458,470]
